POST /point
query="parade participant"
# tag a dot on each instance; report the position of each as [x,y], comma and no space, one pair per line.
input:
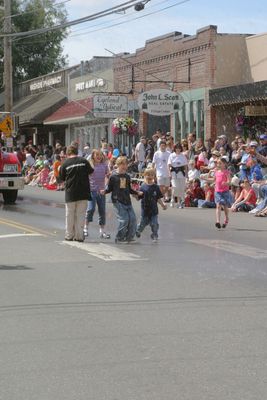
[178,166]
[160,163]
[222,194]
[149,208]
[97,182]
[119,186]
[74,172]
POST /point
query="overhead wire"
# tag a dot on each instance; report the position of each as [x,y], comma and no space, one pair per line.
[101,14]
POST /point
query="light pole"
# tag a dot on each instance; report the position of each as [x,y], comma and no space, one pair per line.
[8,57]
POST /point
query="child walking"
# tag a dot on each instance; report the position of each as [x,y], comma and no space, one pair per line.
[222,193]
[151,196]
[119,186]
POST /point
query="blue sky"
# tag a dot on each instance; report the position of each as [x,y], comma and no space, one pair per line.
[91,39]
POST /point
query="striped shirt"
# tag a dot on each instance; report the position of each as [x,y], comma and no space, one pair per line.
[97,178]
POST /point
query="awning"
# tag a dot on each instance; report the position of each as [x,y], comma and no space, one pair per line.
[36,108]
[73,111]
[239,94]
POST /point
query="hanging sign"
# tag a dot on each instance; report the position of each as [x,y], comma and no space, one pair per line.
[160,102]
[112,106]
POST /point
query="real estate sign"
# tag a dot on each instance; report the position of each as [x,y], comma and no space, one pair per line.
[160,102]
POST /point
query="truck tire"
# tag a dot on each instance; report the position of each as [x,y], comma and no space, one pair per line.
[10,196]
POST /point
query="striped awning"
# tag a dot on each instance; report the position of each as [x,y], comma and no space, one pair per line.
[239,94]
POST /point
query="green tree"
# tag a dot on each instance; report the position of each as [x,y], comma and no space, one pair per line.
[40,54]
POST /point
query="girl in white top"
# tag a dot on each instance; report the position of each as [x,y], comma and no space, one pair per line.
[178,166]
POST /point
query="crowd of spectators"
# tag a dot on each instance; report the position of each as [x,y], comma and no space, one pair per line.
[189,168]
[246,160]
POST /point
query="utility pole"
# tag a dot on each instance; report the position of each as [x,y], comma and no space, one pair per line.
[8,85]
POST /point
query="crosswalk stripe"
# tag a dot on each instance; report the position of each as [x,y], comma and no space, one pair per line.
[232,247]
[104,252]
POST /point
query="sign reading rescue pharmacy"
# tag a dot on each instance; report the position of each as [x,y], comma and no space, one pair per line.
[160,102]
[110,106]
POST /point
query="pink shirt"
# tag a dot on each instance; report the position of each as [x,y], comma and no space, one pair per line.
[221,177]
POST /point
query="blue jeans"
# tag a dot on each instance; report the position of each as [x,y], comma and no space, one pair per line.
[99,200]
[126,221]
[263,194]
[206,204]
[149,220]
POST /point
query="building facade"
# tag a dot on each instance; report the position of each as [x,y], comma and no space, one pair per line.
[82,123]
[35,100]
[188,65]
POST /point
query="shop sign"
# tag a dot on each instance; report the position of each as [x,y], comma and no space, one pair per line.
[110,106]
[255,110]
[44,83]
[160,102]
[91,84]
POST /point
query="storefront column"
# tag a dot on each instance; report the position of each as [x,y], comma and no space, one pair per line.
[67,136]
[35,137]
[190,117]
[50,138]
[198,119]
[183,119]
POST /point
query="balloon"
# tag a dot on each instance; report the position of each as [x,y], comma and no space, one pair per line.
[116,153]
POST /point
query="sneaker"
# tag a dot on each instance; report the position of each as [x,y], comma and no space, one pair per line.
[172,204]
[118,241]
[104,235]
[85,231]
[253,211]
[138,234]
[154,237]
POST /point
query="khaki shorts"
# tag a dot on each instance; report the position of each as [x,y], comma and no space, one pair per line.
[163,181]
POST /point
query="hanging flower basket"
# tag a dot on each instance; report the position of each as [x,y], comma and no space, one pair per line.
[124,125]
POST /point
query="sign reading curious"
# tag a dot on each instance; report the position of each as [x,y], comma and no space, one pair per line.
[160,102]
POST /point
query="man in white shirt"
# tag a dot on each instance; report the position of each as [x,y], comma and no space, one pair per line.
[140,154]
[160,163]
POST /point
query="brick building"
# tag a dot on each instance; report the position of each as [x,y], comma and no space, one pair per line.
[189,65]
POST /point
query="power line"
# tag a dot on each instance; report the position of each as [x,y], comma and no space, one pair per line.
[34,10]
[129,20]
[109,11]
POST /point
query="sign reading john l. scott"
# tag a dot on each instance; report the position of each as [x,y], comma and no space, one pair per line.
[110,106]
[160,102]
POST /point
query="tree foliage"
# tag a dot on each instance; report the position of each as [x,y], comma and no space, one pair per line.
[40,54]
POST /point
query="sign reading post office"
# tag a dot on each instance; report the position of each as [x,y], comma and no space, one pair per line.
[110,106]
[160,102]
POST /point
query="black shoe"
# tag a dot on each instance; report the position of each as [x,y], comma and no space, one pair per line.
[137,234]
[218,225]
[68,240]
[79,240]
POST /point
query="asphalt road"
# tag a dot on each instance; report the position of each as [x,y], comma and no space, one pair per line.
[181,319]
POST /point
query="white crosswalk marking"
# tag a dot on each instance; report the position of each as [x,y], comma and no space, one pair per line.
[105,252]
[232,247]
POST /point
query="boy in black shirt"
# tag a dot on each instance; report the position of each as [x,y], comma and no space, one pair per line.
[151,196]
[119,186]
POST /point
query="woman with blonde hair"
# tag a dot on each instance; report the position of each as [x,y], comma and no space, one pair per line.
[97,183]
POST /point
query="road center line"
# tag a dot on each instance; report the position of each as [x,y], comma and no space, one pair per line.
[105,252]
[25,228]
[232,247]
[13,235]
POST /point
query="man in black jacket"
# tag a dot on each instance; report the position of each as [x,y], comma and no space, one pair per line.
[75,172]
